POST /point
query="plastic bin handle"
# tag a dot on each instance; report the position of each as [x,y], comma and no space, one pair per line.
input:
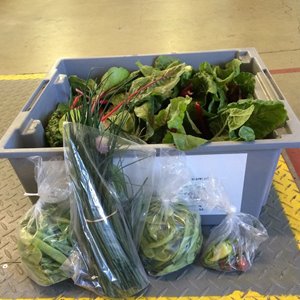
[21,122]
[35,96]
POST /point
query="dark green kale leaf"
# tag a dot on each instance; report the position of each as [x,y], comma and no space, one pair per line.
[53,134]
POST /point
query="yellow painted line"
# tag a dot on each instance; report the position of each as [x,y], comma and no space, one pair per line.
[289,196]
[23,76]
[236,295]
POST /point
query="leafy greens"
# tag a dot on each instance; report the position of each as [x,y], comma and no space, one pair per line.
[171,102]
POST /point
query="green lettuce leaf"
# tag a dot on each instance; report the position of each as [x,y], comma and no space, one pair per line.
[113,77]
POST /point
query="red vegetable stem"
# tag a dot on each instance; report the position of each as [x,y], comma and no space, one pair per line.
[199,110]
[79,91]
[102,102]
[75,101]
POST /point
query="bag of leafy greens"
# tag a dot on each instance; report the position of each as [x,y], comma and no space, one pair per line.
[44,237]
[232,245]
[172,236]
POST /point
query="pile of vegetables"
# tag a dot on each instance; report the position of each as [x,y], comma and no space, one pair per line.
[116,230]
[171,102]
[226,256]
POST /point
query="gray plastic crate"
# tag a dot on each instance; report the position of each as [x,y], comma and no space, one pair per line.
[25,136]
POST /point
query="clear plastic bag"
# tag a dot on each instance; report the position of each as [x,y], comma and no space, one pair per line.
[172,237]
[44,240]
[110,176]
[233,244]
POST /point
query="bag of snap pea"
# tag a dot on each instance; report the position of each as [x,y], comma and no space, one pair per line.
[233,244]
[172,237]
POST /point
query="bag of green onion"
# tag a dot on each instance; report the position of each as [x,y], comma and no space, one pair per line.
[108,209]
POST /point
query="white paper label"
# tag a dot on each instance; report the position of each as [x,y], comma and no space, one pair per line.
[228,169]
[171,173]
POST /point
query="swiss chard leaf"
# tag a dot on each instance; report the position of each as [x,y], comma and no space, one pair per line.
[162,62]
[159,84]
[230,119]
[173,114]
[267,116]
[125,120]
[262,116]
[238,117]
[228,73]
[117,98]
[186,142]
[146,70]
[246,82]
[146,113]
[205,83]
[247,134]
[191,123]
[86,86]
[177,109]
[206,67]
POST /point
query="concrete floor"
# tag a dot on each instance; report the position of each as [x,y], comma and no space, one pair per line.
[34,34]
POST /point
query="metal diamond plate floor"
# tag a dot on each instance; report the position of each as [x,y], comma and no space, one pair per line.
[276,271]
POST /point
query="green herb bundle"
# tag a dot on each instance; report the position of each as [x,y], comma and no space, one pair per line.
[102,232]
